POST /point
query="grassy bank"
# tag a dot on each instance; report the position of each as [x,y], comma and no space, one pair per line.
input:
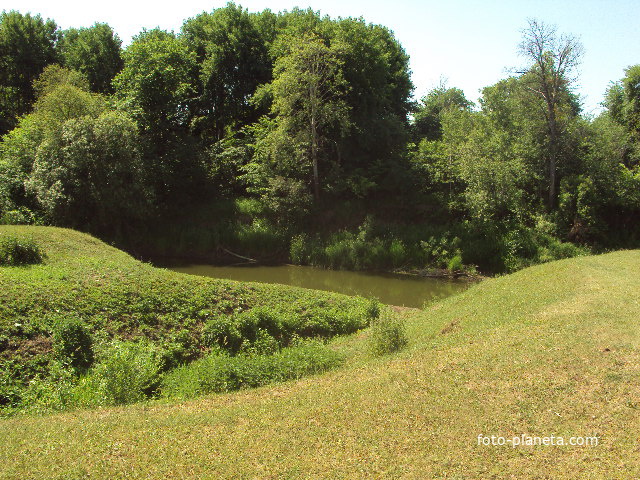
[80,314]
[550,350]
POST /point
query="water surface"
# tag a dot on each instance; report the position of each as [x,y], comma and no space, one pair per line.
[392,289]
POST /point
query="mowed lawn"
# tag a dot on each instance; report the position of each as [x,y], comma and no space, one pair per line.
[551,350]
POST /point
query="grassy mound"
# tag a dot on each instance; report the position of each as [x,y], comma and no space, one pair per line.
[85,298]
[551,350]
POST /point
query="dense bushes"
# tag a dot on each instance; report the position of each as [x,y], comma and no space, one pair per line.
[72,344]
[19,251]
[221,373]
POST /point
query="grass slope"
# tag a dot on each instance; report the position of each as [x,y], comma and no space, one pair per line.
[120,298]
[550,350]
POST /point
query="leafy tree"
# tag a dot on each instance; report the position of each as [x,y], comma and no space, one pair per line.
[89,174]
[95,51]
[54,76]
[233,60]
[27,45]
[62,95]
[156,83]
[376,69]
[485,161]
[554,59]
[427,118]
[308,102]
[623,106]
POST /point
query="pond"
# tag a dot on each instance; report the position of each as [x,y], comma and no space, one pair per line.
[389,288]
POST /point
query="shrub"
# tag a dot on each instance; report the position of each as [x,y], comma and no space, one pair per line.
[397,253]
[221,373]
[72,344]
[127,372]
[16,251]
[298,250]
[455,264]
[22,216]
[387,335]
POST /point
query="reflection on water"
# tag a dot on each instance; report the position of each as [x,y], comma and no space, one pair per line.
[392,289]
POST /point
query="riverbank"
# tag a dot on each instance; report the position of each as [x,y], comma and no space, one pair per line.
[81,303]
[550,350]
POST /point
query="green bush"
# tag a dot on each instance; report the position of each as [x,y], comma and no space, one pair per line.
[221,373]
[387,335]
[72,344]
[22,216]
[298,250]
[126,372]
[16,251]
[455,264]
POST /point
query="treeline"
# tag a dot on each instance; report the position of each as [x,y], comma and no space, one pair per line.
[293,135]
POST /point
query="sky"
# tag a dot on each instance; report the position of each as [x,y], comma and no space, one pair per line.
[470,44]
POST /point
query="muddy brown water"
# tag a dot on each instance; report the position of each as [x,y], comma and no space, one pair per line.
[389,288]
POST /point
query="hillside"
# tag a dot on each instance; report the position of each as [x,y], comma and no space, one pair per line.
[550,350]
[141,315]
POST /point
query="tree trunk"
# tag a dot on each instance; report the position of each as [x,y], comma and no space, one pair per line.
[314,158]
[553,156]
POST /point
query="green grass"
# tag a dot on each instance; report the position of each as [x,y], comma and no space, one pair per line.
[91,286]
[550,350]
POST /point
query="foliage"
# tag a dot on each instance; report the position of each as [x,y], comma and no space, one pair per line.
[156,81]
[308,103]
[125,372]
[19,250]
[427,117]
[95,51]
[90,174]
[72,343]
[232,61]
[27,46]
[387,335]
[219,373]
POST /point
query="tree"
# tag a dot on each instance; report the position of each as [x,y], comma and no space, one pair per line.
[95,51]
[27,45]
[623,106]
[376,69]
[554,60]
[89,174]
[156,83]
[427,118]
[62,95]
[308,99]
[233,61]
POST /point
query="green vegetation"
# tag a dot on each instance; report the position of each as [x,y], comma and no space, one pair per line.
[287,136]
[387,335]
[16,251]
[293,136]
[90,325]
[550,350]
[220,373]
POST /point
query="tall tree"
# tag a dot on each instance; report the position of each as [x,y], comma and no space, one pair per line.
[308,99]
[427,117]
[27,45]
[94,51]
[233,60]
[156,83]
[554,60]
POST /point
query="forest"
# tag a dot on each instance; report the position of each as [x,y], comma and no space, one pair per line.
[294,137]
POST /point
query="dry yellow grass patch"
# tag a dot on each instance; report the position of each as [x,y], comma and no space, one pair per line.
[552,350]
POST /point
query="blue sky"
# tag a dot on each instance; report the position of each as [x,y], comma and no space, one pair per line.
[470,43]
